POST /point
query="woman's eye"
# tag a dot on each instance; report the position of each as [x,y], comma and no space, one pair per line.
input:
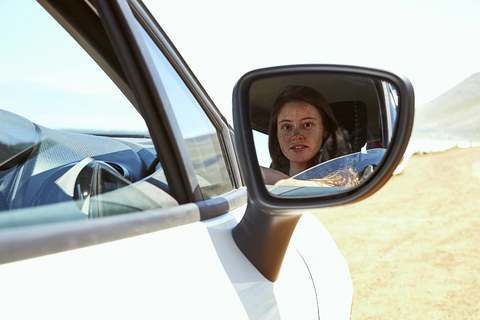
[308,124]
[286,127]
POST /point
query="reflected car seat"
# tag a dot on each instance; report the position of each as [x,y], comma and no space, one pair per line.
[352,118]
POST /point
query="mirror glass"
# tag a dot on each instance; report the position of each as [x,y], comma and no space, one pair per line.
[319,133]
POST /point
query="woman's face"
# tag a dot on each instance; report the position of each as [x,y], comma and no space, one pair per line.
[300,132]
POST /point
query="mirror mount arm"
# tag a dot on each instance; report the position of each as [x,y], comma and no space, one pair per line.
[264,237]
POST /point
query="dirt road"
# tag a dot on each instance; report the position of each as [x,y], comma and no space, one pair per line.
[413,248]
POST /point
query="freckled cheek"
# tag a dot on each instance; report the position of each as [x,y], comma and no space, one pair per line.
[314,133]
[314,137]
[283,136]
[284,140]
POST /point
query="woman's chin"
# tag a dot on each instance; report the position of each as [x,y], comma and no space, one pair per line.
[299,157]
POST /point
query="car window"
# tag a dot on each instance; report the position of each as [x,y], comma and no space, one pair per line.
[72,146]
[200,135]
[40,60]
[327,177]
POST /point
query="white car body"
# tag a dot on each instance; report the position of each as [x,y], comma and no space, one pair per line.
[193,271]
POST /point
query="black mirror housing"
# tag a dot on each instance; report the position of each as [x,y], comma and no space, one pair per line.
[265,231]
[250,167]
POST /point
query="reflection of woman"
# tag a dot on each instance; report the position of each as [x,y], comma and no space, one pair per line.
[303,132]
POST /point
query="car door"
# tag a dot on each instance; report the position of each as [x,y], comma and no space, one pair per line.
[158,242]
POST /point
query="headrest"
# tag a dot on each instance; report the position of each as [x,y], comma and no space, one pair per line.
[352,117]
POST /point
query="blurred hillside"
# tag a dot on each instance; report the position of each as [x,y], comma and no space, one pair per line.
[455,115]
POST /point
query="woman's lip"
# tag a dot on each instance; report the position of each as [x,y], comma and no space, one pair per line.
[298,147]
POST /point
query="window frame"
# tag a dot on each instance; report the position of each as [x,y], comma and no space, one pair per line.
[224,130]
[147,86]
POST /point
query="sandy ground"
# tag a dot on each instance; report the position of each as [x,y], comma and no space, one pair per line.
[413,248]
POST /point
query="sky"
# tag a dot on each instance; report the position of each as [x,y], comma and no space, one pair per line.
[433,43]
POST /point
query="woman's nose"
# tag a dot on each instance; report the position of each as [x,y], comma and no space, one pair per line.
[297,135]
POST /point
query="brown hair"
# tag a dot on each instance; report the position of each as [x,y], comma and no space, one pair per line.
[311,96]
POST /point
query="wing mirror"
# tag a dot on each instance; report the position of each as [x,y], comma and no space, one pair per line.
[312,136]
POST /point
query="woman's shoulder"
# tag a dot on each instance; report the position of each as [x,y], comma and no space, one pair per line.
[272,176]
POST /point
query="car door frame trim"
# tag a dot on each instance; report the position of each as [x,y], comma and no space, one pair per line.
[31,242]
